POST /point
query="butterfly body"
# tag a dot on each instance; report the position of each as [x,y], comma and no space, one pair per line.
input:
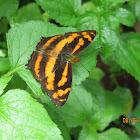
[53,68]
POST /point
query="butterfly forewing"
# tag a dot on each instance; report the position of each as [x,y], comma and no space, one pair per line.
[78,41]
[57,43]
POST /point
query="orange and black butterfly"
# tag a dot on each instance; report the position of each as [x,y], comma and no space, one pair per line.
[52,65]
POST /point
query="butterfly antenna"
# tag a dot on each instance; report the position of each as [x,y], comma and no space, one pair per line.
[85,67]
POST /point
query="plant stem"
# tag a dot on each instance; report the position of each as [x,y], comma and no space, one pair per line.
[12,71]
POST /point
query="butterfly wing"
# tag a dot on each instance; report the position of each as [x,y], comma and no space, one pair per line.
[56,43]
[58,84]
[78,41]
[72,42]
[55,75]
[43,65]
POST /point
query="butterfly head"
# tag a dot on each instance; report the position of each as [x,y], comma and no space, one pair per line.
[70,58]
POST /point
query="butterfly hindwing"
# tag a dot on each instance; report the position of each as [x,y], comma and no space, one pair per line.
[35,63]
[58,84]
[78,41]
[43,65]
[55,81]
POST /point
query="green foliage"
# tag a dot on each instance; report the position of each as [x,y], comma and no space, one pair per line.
[108,106]
[97,74]
[93,104]
[17,103]
[125,17]
[16,82]
[8,7]
[4,64]
[129,58]
[27,13]
[62,11]
[3,53]
[27,76]
[88,133]
[3,83]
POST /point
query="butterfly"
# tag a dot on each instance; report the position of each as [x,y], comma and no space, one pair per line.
[52,65]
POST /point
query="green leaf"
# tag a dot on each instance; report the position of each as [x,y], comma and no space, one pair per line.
[23,38]
[120,100]
[3,83]
[27,13]
[77,109]
[65,11]
[89,133]
[46,17]
[107,105]
[4,64]
[60,123]
[87,21]
[29,120]
[128,53]
[137,9]
[97,74]
[16,82]
[116,104]
[28,77]
[136,113]
[107,4]
[114,134]
[97,92]
[108,32]
[125,17]
[8,7]
[88,6]
[88,61]
[3,52]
